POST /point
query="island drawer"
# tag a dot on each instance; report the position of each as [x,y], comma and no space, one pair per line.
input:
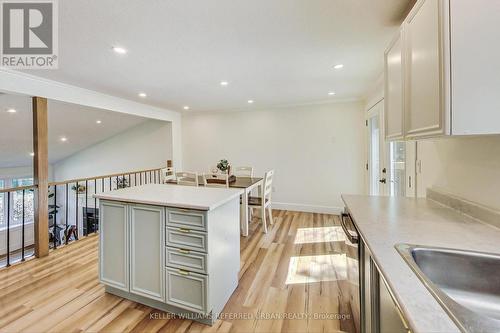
[187,290]
[186,259]
[192,219]
[186,239]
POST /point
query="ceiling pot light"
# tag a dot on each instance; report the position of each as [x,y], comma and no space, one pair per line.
[63,139]
[143,95]
[119,50]
[339,66]
[11,110]
[250,101]
[98,122]
[224,83]
[331,93]
[186,107]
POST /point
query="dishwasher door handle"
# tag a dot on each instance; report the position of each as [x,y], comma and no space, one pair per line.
[351,235]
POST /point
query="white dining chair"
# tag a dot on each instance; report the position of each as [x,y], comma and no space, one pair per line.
[216,180]
[264,202]
[187,178]
[243,171]
[167,175]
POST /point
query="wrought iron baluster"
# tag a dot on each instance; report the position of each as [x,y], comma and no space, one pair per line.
[22,231]
[8,229]
[76,211]
[95,206]
[86,208]
[66,208]
[54,230]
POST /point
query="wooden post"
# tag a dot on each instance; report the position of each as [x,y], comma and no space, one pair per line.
[41,171]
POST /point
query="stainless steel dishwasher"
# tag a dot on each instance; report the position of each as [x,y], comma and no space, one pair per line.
[352,291]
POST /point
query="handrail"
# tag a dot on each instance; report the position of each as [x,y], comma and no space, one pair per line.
[78,215]
[20,188]
[79,180]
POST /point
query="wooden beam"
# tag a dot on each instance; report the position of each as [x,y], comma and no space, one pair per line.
[41,172]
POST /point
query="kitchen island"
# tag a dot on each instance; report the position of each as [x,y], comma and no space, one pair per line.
[175,248]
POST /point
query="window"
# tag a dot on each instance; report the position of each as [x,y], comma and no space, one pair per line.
[16,202]
[398,168]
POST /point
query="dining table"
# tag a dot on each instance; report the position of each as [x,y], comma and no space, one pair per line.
[248,184]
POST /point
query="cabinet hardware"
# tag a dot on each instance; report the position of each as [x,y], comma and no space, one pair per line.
[383,180]
[183,272]
[184,251]
[186,231]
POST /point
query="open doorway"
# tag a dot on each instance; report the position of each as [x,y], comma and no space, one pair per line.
[390,165]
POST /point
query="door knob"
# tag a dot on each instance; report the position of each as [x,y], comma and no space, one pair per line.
[383,180]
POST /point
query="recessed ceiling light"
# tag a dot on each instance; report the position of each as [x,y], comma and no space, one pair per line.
[186,107]
[143,95]
[11,110]
[32,154]
[98,122]
[119,50]
[331,93]
[250,101]
[224,83]
[64,139]
[339,66]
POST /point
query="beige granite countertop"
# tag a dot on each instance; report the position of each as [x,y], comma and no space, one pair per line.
[172,195]
[386,221]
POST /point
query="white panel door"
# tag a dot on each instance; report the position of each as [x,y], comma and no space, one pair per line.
[376,159]
[113,233]
[147,227]
[424,111]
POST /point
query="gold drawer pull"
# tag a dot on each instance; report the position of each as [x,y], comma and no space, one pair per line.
[186,231]
[183,272]
[184,251]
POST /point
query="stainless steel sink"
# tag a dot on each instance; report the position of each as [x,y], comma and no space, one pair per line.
[465,283]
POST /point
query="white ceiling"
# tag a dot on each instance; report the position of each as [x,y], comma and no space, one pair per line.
[276,52]
[75,122]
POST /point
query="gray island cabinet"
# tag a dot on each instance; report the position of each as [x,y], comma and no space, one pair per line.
[171,247]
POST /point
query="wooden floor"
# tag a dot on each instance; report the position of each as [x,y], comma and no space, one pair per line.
[289,282]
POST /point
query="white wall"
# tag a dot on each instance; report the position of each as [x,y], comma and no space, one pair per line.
[146,146]
[316,150]
[466,167]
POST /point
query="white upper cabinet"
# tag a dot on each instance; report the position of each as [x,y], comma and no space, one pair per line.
[450,71]
[475,66]
[393,59]
[425,110]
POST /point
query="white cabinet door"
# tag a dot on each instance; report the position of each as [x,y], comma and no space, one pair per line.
[393,101]
[147,227]
[425,79]
[113,233]
[475,67]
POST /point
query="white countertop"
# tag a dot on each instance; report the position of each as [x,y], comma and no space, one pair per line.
[385,221]
[171,195]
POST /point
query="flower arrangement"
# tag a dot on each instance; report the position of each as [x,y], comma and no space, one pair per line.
[224,166]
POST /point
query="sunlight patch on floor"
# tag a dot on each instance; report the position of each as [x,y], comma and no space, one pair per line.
[319,235]
[309,269]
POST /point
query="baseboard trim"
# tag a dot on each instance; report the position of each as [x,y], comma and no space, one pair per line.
[307,208]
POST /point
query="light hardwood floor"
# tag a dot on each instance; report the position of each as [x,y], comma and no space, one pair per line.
[288,277]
